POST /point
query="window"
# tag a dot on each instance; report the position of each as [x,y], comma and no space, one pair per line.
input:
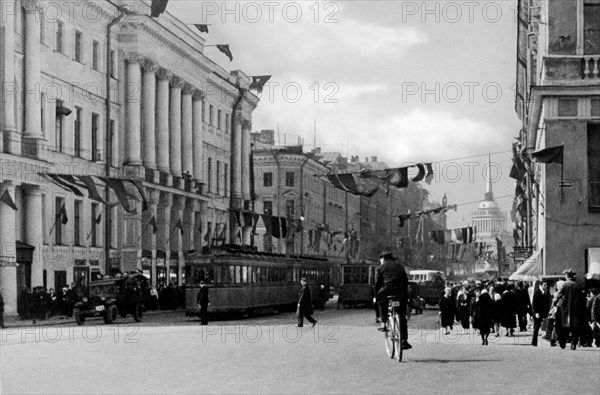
[94,218]
[77,130]
[112,64]
[219,119]
[203,111]
[227,123]
[591,27]
[59,128]
[96,157]
[567,107]
[95,54]
[593,151]
[289,208]
[60,30]
[209,174]
[77,223]
[78,46]
[225,179]
[218,176]
[289,179]
[268,179]
[268,207]
[595,107]
[60,218]
[210,115]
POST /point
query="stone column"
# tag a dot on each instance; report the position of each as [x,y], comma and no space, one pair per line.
[8,251]
[133,103]
[245,181]
[149,98]
[197,133]
[7,71]
[175,126]
[162,120]
[33,117]
[187,161]
[34,234]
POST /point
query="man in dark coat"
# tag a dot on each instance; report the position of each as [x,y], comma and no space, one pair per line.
[1,310]
[203,302]
[509,310]
[484,306]
[305,305]
[571,310]
[523,305]
[541,306]
[392,281]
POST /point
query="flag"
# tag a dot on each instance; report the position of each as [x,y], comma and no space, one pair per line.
[117,185]
[63,215]
[247,219]
[7,199]
[153,224]
[429,175]
[397,177]
[549,155]
[225,49]
[158,7]
[91,187]
[255,218]
[347,182]
[179,225]
[207,235]
[202,28]
[98,219]
[258,82]
[140,187]
[421,174]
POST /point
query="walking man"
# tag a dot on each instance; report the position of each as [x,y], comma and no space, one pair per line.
[203,303]
[1,310]
[305,305]
[541,307]
[570,313]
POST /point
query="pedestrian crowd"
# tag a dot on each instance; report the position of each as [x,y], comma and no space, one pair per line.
[570,315]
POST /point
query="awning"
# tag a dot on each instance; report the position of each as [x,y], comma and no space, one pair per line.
[593,272]
[530,269]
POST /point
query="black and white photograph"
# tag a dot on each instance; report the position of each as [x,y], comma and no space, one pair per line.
[299,197]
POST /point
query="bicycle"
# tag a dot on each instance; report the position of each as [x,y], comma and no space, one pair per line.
[393,336]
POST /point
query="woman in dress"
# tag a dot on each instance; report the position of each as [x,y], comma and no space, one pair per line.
[463,308]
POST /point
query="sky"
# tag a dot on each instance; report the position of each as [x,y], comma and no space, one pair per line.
[405,81]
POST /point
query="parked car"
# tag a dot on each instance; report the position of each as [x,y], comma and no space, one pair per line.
[113,297]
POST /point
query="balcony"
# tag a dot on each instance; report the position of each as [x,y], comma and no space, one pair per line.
[571,69]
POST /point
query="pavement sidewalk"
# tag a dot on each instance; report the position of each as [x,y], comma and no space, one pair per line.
[15,321]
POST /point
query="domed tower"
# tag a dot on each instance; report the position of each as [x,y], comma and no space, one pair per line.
[489,219]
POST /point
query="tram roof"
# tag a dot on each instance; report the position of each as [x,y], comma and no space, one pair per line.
[240,251]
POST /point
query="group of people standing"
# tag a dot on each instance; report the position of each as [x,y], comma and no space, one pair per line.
[488,306]
[40,303]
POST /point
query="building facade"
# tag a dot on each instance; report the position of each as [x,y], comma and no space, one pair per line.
[102,90]
[558,100]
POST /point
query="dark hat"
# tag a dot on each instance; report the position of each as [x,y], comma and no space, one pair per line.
[201,282]
[569,272]
[387,255]
[303,279]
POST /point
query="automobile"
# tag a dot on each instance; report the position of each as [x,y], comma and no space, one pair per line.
[112,297]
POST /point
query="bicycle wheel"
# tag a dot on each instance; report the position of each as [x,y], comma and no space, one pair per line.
[390,344]
[398,337]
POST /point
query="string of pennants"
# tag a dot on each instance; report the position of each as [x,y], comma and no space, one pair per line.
[418,214]
[367,182]
[454,236]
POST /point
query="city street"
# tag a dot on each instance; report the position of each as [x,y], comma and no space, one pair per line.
[344,353]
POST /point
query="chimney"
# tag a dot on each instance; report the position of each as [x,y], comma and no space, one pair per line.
[318,150]
[373,159]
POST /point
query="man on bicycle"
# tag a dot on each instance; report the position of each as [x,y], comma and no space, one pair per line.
[392,281]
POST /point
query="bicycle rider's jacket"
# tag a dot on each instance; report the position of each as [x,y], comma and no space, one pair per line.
[392,281]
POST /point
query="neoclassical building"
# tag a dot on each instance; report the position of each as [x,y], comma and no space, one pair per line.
[105,93]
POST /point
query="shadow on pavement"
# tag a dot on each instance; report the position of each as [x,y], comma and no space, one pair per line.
[434,360]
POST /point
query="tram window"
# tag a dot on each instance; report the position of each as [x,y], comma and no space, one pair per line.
[218,275]
[224,272]
[252,274]
[347,275]
[288,274]
[231,275]
[245,274]
[238,274]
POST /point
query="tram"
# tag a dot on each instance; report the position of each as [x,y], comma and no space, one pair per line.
[358,281]
[244,281]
